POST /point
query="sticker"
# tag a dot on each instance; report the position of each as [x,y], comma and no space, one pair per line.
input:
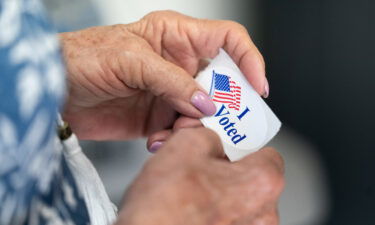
[243,120]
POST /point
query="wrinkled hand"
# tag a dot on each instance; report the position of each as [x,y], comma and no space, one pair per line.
[127,81]
[189,182]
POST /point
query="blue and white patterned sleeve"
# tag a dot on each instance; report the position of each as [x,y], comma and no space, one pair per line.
[36,185]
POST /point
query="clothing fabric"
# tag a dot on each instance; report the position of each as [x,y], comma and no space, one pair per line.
[101,210]
[36,184]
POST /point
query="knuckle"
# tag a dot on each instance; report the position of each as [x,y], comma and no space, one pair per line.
[277,159]
[161,14]
[236,26]
[271,182]
[152,14]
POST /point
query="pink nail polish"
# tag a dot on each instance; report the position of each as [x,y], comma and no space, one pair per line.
[204,103]
[155,146]
[266,89]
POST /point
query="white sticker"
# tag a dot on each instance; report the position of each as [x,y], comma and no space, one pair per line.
[243,120]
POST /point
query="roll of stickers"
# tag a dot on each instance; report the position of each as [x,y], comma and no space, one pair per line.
[243,120]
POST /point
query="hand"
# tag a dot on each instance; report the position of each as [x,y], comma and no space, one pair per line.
[189,182]
[128,81]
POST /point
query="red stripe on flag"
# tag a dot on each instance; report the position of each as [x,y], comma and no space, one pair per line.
[225,94]
[232,98]
[216,100]
[229,99]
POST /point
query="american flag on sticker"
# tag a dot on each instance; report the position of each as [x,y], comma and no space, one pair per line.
[224,90]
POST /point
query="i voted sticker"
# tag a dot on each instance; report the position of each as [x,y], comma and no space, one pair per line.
[243,120]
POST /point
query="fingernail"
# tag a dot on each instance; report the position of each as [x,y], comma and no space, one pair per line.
[266,89]
[203,102]
[155,146]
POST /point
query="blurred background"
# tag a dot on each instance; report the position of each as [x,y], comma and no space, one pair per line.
[320,64]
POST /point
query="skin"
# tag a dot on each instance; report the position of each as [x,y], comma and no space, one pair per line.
[130,81]
[136,80]
[189,182]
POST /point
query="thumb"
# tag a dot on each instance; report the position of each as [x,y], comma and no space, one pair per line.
[174,85]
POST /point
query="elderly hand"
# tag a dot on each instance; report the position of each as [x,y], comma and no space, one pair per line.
[189,182]
[127,81]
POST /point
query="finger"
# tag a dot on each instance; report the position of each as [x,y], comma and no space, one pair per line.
[186,122]
[169,81]
[156,140]
[203,38]
[194,142]
[235,40]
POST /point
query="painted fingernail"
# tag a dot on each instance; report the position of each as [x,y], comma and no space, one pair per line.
[155,146]
[266,89]
[203,102]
